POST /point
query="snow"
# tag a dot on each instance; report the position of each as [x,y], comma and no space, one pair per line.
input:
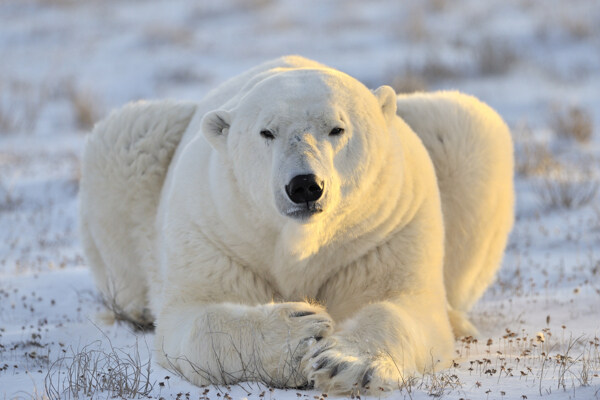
[65,63]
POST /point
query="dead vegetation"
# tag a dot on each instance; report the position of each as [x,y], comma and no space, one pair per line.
[532,157]
[567,187]
[20,105]
[409,82]
[168,35]
[546,361]
[9,201]
[577,28]
[85,107]
[559,180]
[572,122]
[417,78]
[92,372]
[494,57]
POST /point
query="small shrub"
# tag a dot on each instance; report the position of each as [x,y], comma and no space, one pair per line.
[92,372]
[532,156]
[8,200]
[565,187]
[409,82]
[577,28]
[572,123]
[164,35]
[436,69]
[495,57]
[437,5]
[85,108]
[416,29]
[20,105]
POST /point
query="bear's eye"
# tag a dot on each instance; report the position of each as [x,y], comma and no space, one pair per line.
[267,134]
[336,131]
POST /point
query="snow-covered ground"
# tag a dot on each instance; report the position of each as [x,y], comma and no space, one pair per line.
[66,63]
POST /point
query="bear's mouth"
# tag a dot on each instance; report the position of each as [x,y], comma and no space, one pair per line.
[304,212]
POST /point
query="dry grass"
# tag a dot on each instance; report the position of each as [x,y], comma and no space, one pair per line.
[557,183]
[85,107]
[578,29]
[58,3]
[20,105]
[437,5]
[567,187]
[572,122]
[416,28]
[439,384]
[409,82]
[494,57]
[435,69]
[165,35]
[417,78]
[91,372]
[532,157]
[8,200]
[549,362]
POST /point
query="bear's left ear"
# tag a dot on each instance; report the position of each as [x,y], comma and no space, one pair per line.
[386,96]
[215,127]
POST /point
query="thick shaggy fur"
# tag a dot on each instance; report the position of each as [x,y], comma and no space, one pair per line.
[472,151]
[185,221]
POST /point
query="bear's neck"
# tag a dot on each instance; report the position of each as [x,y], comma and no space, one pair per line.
[297,259]
[306,256]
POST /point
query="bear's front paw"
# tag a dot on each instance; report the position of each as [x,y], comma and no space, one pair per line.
[290,330]
[339,367]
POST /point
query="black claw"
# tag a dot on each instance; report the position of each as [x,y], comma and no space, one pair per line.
[338,368]
[323,363]
[367,377]
[301,314]
[306,386]
[319,351]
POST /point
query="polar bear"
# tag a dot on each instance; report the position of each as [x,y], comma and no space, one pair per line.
[296,228]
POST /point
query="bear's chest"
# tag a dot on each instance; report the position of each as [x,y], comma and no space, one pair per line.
[297,281]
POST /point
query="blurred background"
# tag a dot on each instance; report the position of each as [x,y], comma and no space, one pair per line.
[65,63]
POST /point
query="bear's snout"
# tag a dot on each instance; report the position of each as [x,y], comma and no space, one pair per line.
[305,188]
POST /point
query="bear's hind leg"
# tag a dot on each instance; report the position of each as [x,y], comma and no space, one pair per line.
[126,290]
[471,149]
[116,271]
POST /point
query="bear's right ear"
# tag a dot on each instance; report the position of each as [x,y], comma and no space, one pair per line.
[215,126]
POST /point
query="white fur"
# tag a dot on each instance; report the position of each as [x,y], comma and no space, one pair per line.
[472,151]
[207,243]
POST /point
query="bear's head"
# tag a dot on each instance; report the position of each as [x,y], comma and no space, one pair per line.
[305,143]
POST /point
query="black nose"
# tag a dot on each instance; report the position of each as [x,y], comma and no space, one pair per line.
[304,188]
